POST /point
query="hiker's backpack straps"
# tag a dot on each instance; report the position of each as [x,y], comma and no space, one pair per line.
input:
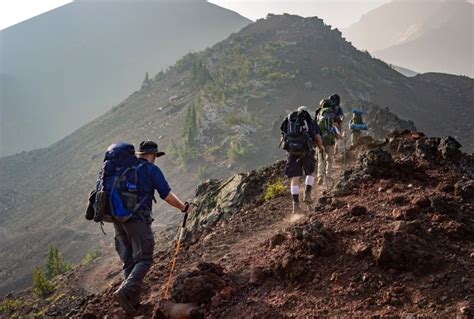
[297,138]
[124,193]
[140,203]
[326,122]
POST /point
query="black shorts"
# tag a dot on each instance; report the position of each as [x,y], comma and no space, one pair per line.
[297,165]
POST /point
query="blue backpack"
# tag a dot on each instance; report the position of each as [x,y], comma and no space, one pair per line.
[117,187]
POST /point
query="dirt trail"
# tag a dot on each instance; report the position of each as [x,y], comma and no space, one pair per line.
[397,242]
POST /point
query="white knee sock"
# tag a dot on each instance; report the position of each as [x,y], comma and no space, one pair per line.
[309,180]
[295,190]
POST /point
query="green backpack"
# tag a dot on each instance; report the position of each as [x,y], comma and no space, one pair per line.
[325,120]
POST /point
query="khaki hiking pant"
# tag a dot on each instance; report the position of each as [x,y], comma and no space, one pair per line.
[355,137]
[325,164]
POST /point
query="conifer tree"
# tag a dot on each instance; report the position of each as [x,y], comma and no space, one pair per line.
[146,81]
[55,264]
[41,285]
[190,127]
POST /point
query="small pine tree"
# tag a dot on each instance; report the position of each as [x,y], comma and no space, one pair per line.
[159,76]
[55,264]
[146,81]
[190,128]
[41,285]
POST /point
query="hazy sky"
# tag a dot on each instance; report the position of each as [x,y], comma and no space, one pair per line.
[339,13]
[15,11]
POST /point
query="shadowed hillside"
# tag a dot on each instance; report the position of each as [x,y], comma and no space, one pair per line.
[67,66]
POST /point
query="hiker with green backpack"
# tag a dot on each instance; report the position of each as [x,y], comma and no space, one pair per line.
[325,119]
[299,136]
[338,119]
[124,195]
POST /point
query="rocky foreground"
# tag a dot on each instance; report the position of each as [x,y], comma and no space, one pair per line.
[393,237]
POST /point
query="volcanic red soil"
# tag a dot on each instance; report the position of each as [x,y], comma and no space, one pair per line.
[393,238]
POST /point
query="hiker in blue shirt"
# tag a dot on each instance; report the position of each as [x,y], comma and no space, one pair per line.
[134,240]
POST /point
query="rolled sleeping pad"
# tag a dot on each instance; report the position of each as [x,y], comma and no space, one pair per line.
[359,127]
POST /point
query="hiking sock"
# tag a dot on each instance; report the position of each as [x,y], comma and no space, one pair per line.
[295,193]
[307,194]
[309,180]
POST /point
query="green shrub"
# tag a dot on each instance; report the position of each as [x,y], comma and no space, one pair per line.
[203,172]
[42,287]
[214,149]
[235,119]
[10,305]
[200,73]
[278,76]
[159,76]
[275,189]
[237,151]
[55,264]
[90,257]
[186,62]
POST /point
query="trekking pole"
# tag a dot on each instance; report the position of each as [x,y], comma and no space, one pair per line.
[323,157]
[175,257]
[344,153]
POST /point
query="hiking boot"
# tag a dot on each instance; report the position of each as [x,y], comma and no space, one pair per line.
[307,196]
[296,208]
[124,302]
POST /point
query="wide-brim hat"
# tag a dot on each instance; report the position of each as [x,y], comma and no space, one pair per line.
[149,147]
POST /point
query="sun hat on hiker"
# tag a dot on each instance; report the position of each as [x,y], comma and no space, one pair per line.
[149,147]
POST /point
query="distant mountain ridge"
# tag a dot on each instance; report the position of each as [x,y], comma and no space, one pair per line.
[67,66]
[426,36]
[214,112]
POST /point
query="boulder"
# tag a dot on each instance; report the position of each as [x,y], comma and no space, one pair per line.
[427,148]
[171,310]
[219,200]
[406,213]
[443,205]
[276,240]
[199,285]
[358,210]
[257,275]
[403,251]
[304,243]
[449,148]
[465,189]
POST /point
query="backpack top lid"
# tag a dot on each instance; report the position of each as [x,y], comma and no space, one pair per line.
[297,122]
[122,154]
[357,112]
[326,113]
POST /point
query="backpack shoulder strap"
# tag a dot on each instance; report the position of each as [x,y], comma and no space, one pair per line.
[290,116]
[137,168]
